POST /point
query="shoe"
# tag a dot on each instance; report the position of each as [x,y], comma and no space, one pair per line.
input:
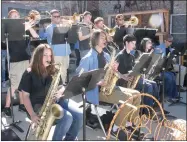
[136,132]
[122,136]
[7,112]
[22,108]
[170,101]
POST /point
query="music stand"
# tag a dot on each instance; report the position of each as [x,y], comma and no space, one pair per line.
[33,44]
[159,67]
[60,35]
[12,30]
[80,84]
[179,53]
[141,33]
[141,67]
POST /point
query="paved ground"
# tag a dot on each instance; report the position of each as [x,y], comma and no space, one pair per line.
[178,110]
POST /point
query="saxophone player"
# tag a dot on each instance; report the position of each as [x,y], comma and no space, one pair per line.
[169,77]
[97,58]
[126,62]
[35,84]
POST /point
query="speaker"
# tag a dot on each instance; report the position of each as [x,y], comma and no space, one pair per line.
[9,135]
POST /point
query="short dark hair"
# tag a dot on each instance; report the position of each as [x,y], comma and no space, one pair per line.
[54,11]
[94,39]
[128,38]
[86,13]
[98,19]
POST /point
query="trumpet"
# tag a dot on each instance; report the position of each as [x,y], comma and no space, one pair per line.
[110,31]
[133,21]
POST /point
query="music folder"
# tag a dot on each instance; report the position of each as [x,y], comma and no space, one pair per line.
[87,80]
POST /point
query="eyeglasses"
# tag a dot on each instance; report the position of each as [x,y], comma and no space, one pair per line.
[56,16]
[169,41]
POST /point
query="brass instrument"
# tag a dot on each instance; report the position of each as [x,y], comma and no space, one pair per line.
[110,31]
[110,77]
[33,17]
[133,21]
[49,112]
[132,84]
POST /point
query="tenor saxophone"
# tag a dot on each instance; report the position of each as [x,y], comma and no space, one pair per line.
[48,113]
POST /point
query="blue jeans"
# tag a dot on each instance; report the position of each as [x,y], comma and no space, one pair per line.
[3,64]
[148,88]
[170,85]
[71,123]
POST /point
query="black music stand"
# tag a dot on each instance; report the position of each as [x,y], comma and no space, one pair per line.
[141,33]
[80,84]
[141,67]
[34,43]
[73,34]
[159,67]
[60,35]
[12,30]
[180,52]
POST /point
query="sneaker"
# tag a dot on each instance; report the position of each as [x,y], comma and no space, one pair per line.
[170,101]
[22,108]
[122,136]
[7,112]
[175,99]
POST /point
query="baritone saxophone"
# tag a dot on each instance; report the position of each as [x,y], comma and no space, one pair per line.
[49,112]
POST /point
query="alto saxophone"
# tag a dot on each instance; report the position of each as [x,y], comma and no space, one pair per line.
[110,77]
[132,84]
[49,112]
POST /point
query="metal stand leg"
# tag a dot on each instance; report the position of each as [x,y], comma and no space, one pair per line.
[100,122]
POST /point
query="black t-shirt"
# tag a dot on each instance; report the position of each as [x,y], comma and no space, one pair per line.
[118,37]
[36,86]
[101,59]
[126,62]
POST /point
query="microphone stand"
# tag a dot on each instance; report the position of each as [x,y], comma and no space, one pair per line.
[14,123]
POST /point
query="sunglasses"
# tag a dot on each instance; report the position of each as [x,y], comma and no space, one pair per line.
[169,41]
[56,16]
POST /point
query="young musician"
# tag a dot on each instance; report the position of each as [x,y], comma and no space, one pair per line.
[165,48]
[35,84]
[99,23]
[84,33]
[126,62]
[120,30]
[97,58]
[61,51]
[19,61]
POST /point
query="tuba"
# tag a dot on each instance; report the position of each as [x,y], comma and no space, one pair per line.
[48,113]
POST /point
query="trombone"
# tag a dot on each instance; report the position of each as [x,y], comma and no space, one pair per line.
[109,31]
[133,21]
